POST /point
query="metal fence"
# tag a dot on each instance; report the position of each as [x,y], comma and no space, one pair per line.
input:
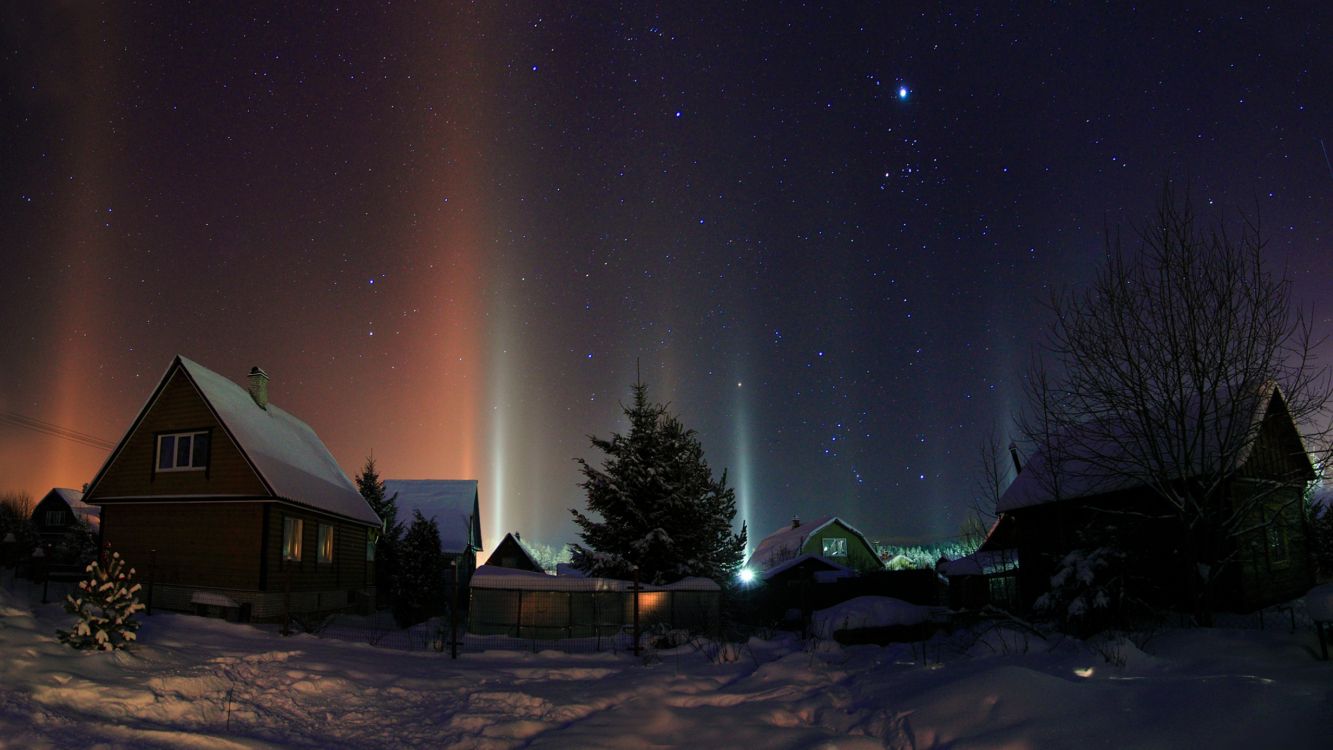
[534,611]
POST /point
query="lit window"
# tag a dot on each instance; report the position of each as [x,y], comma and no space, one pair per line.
[371,539]
[835,546]
[291,538]
[325,543]
[182,451]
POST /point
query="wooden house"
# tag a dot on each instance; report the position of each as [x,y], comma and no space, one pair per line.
[512,553]
[222,500]
[828,537]
[59,510]
[453,505]
[1049,511]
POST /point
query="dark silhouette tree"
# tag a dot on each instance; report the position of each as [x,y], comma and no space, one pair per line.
[661,511]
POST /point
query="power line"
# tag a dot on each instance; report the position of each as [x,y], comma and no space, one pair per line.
[54,430]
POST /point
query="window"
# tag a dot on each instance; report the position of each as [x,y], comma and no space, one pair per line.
[1275,537]
[835,546]
[291,538]
[182,451]
[325,543]
[371,538]
[55,517]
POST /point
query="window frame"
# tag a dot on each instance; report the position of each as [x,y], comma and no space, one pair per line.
[194,462]
[324,544]
[840,543]
[55,518]
[293,531]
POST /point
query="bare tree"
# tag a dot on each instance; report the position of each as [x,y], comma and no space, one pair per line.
[1153,377]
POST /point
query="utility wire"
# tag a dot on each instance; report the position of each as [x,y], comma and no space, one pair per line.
[54,430]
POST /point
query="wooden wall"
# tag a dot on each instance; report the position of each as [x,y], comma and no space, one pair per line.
[214,544]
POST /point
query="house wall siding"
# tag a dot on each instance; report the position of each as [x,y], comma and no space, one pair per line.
[349,569]
[201,543]
[859,556]
[178,407]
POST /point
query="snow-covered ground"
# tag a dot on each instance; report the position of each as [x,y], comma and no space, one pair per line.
[200,683]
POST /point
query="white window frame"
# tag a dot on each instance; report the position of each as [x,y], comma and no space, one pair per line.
[325,543]
[175,440]
[838,543]
[292,531]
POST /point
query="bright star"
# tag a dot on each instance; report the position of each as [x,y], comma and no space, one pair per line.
[902,93]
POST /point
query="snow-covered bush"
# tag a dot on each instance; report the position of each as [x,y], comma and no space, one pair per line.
[1085,589]
[105,606]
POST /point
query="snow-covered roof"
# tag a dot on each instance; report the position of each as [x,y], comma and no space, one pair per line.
[798,560]
[1086,460]
[496,577]
[289,456]
[979,563]
[74,499]
[788,541]
[451,502]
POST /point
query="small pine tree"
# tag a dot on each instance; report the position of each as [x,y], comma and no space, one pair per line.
[105,608]
[661,510]
[390,533]
[419,585]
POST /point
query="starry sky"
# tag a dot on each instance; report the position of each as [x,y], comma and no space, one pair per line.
[451,232]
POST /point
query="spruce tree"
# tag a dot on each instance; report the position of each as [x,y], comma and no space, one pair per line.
[391,531]
[661,510]
[419,585]
[105,606]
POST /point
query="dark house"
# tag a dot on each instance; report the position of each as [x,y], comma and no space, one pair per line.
[454,506]
[1047,512]
[512,553]
[56,513]
[222,500]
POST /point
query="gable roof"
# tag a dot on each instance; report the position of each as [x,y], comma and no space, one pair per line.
[285,453]
[451,502]
[788,541]
[517,543]
[1087,458]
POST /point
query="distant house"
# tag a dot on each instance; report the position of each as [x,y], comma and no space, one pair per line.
[60,509]
[220,499]
[829,537]
[512,553]
[454,506]
[1046,508]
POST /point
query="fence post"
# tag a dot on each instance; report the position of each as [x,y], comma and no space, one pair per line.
[453,615]
[635,588]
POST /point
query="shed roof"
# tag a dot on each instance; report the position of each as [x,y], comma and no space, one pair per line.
[451,502]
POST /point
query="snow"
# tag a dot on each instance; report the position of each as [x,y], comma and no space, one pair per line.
[497,577]
[451,502]
[788,541]
[290,457]
[868,612]
[203,683]
[1319,603]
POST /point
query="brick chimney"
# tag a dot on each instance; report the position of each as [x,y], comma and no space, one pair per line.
[796,522]
[259,387]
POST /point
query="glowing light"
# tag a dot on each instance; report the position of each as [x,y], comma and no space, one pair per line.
[746,575]
[903,93]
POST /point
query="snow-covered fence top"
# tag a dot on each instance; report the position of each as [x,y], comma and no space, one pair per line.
[495,577]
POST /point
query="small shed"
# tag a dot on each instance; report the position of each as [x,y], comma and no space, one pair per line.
[511,552]
[453,505]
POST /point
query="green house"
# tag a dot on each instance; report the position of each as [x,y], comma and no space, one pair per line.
[829,537]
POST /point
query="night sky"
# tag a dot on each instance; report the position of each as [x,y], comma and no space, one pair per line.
[449,233]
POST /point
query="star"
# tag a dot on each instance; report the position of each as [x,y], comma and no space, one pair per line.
[903,93]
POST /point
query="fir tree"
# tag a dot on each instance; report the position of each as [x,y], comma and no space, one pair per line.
[419,585]
[105,607]
[661,510]
[391,531]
